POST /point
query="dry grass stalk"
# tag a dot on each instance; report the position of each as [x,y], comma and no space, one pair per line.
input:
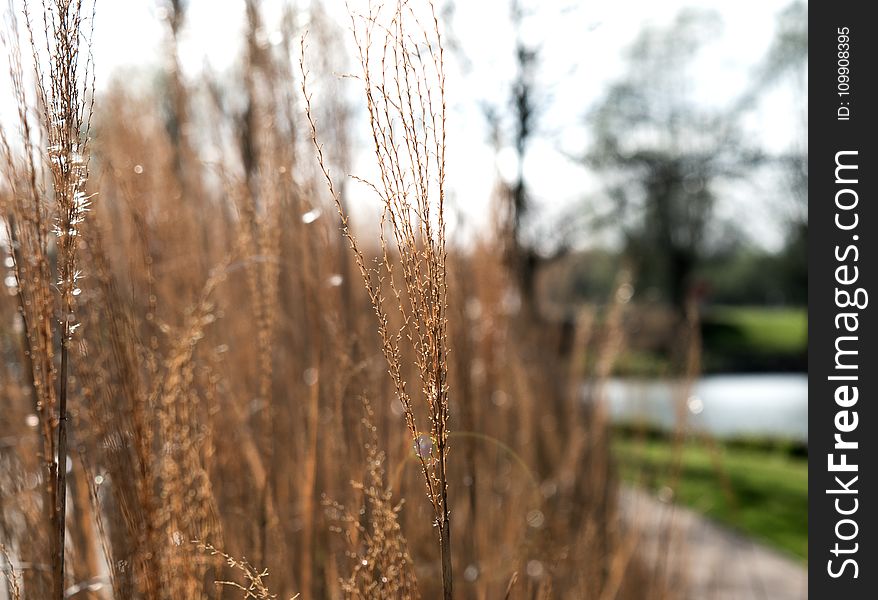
[28,223]
[381,565]
[404,88]
[254,579]
[11,575]
[65,92]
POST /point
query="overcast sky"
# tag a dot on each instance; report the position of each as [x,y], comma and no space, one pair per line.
[581,53]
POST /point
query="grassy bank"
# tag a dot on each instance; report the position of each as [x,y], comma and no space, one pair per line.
[736,339]
[757,489]
[750,338]
[766,329]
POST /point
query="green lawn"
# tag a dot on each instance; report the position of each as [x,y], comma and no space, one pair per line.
[763,329]
[763,493]
[735,339]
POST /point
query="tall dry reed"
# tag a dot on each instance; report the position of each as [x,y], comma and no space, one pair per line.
[404,91]
[64,81]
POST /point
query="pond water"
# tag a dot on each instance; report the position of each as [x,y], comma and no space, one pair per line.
[721,405]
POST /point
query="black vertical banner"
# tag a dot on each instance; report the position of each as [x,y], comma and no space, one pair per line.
[842,367]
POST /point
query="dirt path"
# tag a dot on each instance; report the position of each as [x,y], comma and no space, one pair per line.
[707,560]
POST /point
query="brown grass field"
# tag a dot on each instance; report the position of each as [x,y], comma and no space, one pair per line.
[217,381]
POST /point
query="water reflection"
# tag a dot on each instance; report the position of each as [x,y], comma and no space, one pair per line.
[726,405]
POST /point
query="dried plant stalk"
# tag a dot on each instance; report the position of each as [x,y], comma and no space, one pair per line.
[10,573]
[254,579]
[382,568]
[404,86]
[67,115]
[65,91]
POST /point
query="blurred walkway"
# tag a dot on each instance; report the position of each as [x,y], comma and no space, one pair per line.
[708,560]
